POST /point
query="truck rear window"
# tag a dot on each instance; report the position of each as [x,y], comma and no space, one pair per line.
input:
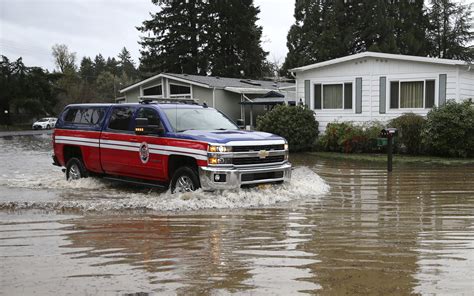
[85,116]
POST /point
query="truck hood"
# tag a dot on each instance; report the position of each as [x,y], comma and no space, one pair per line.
[226,136]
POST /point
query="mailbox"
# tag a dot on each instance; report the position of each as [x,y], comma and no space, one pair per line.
[389,132]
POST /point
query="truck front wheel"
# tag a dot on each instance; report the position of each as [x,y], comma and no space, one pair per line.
[75,169]
[184,179]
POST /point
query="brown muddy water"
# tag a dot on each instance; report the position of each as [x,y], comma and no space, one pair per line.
[339,228]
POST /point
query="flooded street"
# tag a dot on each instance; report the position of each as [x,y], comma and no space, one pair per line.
[338,228]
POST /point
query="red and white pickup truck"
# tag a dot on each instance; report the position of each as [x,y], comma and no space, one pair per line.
[184,146]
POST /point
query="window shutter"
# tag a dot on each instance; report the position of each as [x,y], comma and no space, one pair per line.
[307,93]
[382,95]
[358,98]
[442,89]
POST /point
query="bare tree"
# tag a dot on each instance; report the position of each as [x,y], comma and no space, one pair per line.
[64,59]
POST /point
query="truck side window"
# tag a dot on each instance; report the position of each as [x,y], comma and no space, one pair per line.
[120,118]
[71,115]
[153,118]
[85,116]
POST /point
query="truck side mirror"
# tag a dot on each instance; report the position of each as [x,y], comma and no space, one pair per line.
[240,123]
[143,128]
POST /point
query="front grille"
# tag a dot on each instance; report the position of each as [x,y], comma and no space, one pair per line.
[257,160]
[261,176]
[257,148]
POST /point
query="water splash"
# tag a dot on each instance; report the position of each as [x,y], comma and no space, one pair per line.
[96,195]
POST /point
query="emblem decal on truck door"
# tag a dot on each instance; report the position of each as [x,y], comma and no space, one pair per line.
[144,152]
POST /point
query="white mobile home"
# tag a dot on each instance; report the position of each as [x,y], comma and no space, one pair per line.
[378,86]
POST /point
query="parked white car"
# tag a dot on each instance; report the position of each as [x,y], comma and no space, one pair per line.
[45,123]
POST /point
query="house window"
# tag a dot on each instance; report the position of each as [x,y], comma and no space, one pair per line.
[412,94]
[180,91]
[333,96]
[153,91]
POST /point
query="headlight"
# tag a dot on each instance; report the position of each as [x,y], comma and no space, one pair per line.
[219,160]
[286,146]
[219,149]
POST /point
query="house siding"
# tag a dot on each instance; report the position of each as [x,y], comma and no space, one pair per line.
[132,95]
[228,103]
[203,95]
[460,85]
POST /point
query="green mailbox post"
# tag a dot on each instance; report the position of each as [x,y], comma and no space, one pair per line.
[389,134]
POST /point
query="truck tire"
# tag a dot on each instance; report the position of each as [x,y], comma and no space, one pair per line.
[75,169]
[185,179]
[48,127]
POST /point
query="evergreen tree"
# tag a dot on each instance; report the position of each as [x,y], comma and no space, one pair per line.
[411,27]
[99,65]
[235,47]
[25,89]
[112,66]
[203,37]
[172,44]
[451,31]
[86,70]
[326,29]
[126,65]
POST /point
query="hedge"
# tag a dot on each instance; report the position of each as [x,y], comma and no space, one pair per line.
[449,130]
[295,123]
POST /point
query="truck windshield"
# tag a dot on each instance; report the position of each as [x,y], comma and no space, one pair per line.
[183,119]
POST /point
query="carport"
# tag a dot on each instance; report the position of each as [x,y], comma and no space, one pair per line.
[268,100]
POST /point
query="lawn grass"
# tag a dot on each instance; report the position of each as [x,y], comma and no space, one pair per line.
[397,158]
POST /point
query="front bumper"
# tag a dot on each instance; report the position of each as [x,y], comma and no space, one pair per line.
[236,177]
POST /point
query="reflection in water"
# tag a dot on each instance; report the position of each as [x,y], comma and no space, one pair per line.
[407,232]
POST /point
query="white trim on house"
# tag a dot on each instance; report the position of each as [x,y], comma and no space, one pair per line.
[151,86]
[369,54]
[165,76]
[182,95]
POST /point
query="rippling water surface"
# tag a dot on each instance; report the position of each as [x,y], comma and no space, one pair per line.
[338,228]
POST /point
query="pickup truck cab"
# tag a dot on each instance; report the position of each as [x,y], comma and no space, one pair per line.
[182,146]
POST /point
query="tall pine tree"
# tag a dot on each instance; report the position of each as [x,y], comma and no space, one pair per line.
[171,41]
[328,29]
[203,37]
[235,47]
[451,32]
[126,64]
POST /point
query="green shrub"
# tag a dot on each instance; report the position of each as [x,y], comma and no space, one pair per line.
[449,130]
[295,123]
[348,138]
[410,128]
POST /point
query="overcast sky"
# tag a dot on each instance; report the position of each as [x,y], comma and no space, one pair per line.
[29,28]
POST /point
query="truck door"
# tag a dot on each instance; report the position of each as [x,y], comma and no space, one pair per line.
[150,162]
[118,143]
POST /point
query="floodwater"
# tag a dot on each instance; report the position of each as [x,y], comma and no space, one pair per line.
[338,228]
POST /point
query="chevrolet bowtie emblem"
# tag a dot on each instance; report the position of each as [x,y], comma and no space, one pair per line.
[263,154]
